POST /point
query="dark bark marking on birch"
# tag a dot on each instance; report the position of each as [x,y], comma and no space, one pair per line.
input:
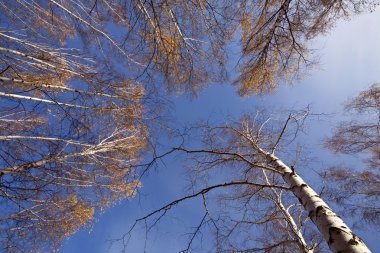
[356,239]
[331,240]
[335,230]
[319,208]
[353,242]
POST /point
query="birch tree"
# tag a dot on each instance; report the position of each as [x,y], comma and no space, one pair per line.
[266,205]
[68,136]
[360,136]
[70,130]
[66,152]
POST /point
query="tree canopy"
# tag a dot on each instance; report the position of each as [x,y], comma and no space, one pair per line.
[79,80]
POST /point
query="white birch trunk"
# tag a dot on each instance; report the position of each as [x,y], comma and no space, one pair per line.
[289,219]
[64,88]
[338,235]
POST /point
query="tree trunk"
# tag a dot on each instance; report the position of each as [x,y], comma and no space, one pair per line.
[289,219]
[338,235]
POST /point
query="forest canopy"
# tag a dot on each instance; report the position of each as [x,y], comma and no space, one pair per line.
[81,88]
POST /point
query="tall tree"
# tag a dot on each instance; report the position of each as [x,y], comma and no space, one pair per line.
[275,38]
[70,129]
[66,150]
[359,136]
[263,193]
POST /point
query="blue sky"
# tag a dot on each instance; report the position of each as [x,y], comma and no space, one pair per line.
[349,63]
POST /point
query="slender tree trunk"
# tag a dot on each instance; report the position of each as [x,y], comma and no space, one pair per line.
[338,235]
[63,88]
[3,94]
[290,221]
